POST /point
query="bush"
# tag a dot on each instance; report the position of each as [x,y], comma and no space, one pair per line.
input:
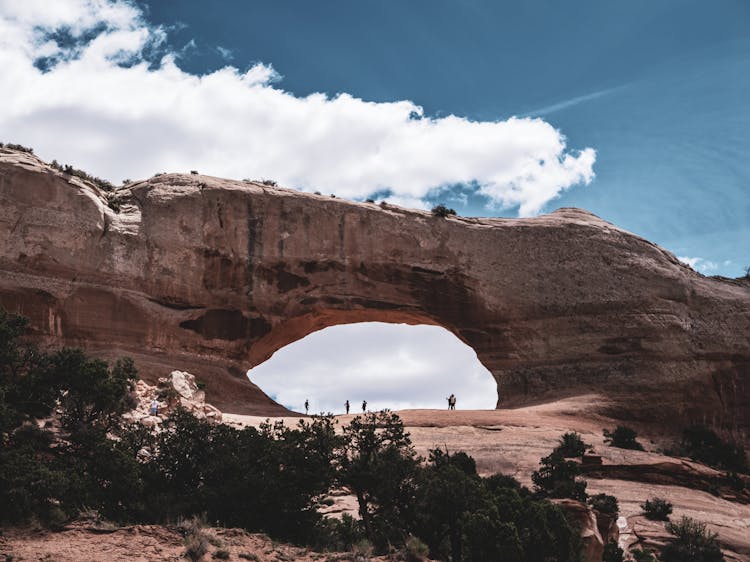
[604,503]
[623,437]
[704,445]
[221,554]
[640,555]
[268,479]
[18,147]
[612,552]
[415,549]
[71,171]
[270,183]
[556,478]
[196,541]
[442,211]
[657,509]
[113,202]
[571,445]
[378,463]
[692,543]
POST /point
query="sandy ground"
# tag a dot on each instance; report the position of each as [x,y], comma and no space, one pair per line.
[508,441]
[512,441]
[148,543]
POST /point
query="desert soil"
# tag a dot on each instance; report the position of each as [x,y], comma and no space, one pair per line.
[510,441]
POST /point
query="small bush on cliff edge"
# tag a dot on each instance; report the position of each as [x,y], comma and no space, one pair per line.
[623,437]
[556,478]
[704,445]
[657,509]
[571,445]
[18,147]
[692,543]
[605,503]
[442,211]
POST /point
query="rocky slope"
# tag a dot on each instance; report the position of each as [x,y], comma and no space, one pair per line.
[512,441]
[212,276]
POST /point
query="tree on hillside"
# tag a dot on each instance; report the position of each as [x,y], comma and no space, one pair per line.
[378,463]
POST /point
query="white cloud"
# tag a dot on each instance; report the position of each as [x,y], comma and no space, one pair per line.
[225,53]
[701,265]
[391,366]
[103,107]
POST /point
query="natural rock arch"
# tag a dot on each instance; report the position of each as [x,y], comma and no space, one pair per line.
[211,276]
[389,365]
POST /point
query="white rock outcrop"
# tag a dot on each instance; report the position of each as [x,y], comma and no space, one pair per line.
[178,390]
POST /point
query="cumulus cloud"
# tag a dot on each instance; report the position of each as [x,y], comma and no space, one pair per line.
[391,366]
[701,265]
[81,84]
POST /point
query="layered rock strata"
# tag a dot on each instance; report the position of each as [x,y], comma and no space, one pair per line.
[213,276]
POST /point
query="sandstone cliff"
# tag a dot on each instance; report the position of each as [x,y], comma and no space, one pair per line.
[212,276]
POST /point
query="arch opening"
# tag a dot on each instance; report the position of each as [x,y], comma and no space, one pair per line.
[394,366]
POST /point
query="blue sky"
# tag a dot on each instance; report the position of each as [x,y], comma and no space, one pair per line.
[637,111]
[659,89]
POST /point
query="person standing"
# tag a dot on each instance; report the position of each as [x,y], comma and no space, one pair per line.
[452,402]
[307,405]
[347,406]
[364,406]
[154,407]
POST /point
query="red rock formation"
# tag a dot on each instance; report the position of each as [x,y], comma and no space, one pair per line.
[212,276]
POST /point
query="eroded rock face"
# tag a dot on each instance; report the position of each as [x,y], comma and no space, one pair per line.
[212,276]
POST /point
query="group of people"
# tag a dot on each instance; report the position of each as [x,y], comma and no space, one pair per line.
[346,405]
[451,404]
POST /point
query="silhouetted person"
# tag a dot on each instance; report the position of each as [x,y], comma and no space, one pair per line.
[307,406]
[364,406]
[452,402]
[347,406]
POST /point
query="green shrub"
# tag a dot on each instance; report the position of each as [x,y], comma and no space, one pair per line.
[442,211]
[71,171]
[704,445]
[571,445]
[196,541]
[339,534]
[605,504]
[641,555]
[556,478]
[18,147]
[415,550]
[113,202]
[657,509]
[362,549]
[379,465]
[623,437]
[692,543]
[222,554]
[612,552]
[196,547]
